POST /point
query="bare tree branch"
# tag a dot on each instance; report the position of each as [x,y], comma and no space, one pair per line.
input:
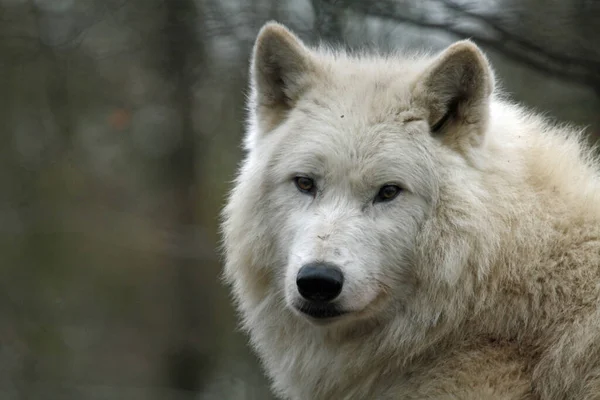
[505,34]
[576,70]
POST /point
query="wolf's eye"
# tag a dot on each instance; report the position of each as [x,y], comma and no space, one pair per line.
[304,184]
[387,193]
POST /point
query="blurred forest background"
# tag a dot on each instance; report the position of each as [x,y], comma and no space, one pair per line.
[121,125]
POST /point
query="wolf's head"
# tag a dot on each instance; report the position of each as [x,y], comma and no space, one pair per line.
[340,205]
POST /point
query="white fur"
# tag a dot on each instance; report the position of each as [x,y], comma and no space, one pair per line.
[481,280]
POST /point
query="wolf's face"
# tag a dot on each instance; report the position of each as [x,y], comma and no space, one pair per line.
[346,155]
[348,195]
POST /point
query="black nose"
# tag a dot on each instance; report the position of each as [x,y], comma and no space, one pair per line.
[320,281]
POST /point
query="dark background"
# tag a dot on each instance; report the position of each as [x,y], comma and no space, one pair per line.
[121,123]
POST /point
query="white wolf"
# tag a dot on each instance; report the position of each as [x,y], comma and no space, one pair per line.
[398,231]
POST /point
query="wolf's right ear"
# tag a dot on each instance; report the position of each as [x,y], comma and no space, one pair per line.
[455,93]
[280,72]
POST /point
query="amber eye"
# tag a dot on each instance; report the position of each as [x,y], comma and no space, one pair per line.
[387,193]
[304,184]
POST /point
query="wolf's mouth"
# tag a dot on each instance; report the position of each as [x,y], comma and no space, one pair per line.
[320,311]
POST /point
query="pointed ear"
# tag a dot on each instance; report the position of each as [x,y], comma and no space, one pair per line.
[455,92]
[281,70]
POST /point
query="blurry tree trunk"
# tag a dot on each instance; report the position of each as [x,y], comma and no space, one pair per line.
[32,289]
[186,362]
[328,21]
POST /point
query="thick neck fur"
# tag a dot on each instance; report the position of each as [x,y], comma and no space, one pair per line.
[558,190]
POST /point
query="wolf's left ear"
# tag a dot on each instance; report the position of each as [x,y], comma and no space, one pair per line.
[455,92]
[280,71]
